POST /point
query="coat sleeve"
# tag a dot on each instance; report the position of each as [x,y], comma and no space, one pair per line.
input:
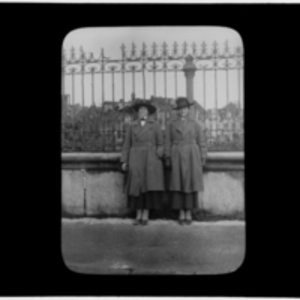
[159,141]
[126,146]
[201,141]
[167,142]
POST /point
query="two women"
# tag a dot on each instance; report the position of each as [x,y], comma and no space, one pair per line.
[184,152]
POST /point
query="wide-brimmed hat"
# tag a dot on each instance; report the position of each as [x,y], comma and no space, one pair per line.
[144,103]
[182,102]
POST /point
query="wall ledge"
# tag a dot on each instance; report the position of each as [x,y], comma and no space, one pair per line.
[216,161]
[85,156]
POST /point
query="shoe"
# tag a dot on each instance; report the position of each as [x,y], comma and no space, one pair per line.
[144,222]
[188,222]
[137,222]
[181,222]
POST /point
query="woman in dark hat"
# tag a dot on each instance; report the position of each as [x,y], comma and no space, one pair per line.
[142,155]
[185,154]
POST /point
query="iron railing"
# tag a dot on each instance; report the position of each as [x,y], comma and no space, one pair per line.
[101,126]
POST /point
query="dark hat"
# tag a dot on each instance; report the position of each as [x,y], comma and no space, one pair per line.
[144,103]
[182,102]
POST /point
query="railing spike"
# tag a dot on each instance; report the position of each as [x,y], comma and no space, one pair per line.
[226,48]
[154,49]
[72,51]
[164,49]
[102,54]
[144,50]
[184,48]
[82,56]
[194,49]
[133,51]
[175,48]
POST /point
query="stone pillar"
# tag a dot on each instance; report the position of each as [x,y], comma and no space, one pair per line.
[189,70]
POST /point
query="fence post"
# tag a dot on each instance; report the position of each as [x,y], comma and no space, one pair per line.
[189,70]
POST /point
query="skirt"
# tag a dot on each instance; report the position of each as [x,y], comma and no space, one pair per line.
[149,200]
[180,200]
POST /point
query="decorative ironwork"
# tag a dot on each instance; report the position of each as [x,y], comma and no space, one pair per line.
[203,50]
[81,130]
[144,62]
[175,50]
[133,51]
[73,57]
[154,50]
[123,49]
[165,51]
[194,49]
[226,50]
[185,45]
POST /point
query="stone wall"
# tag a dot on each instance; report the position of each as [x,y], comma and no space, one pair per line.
[92,185]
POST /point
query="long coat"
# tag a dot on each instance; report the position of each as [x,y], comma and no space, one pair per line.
[143,152]
[186,147]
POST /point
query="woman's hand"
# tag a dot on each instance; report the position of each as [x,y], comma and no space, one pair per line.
[168,163]
[124,167]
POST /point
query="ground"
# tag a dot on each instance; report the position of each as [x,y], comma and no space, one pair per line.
[114,246]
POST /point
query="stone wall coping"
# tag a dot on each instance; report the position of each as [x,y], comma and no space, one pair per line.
[84,156]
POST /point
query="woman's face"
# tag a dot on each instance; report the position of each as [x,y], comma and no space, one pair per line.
[183,112]
[143,112]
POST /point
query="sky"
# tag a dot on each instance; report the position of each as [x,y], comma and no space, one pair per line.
[111,38]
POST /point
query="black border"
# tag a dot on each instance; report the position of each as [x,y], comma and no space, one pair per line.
[33,36]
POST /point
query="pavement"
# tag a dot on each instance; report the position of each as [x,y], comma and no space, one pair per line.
[115,246]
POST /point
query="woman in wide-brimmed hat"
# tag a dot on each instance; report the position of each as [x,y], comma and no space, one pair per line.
[142,155]
[185,154]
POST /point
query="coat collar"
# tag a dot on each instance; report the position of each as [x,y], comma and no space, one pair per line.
[138,129]
[179,125]
[138,122]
